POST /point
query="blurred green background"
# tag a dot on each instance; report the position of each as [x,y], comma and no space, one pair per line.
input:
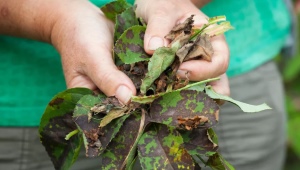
[290,69]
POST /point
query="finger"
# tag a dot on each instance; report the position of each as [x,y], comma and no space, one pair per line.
[200,69]
[159,23]
[106,77]
[221,86]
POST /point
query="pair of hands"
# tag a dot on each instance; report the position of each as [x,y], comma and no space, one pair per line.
[84,39]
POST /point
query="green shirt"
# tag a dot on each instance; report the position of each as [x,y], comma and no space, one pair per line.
[32,73]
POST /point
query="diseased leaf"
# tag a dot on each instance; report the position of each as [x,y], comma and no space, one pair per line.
[56,123]
[112,9]
[244,106]
[162,58]
[113,114]
[201,48]
[96,139]
[130,46]
[185,110]
[199,142]
[124,21]
[85,104]
[122,148]
[198,86]
[162,148]
[217,162]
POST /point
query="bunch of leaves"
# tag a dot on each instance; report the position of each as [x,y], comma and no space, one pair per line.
[167,125]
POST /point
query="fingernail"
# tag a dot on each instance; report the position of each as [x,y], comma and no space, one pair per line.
[155,42]
[183,73]
[124,94]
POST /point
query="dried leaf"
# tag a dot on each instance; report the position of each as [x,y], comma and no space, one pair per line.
[201,48]
[184,27]
[113,114]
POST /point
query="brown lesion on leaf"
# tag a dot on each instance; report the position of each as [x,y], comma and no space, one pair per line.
[129,34]
[94,143]
[56,101]
[191,123]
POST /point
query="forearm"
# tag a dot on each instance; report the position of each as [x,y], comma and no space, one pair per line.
[29,18]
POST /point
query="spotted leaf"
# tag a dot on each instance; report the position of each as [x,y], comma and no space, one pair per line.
[185,109]
[56,123]
[162,148]
[130,46]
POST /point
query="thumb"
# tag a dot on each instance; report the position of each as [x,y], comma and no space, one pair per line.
[104,76]
[159,24]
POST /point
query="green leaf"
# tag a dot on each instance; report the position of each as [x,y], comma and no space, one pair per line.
[162,58]
[217,162]
[186,109]
[56,123]
[112,9]
[244,106]
[130,45]
[162,149]
[122,148]
[197,86]
[84,105]
[124,21]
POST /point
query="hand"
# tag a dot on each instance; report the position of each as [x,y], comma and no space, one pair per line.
[161,16]
[84,39]
[81,34]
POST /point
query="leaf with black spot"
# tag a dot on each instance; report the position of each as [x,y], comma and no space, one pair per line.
[95,138]
[124,21]
[130,46]
[162,148]
[112,9]
[121,151]
[56,123]
[185,109]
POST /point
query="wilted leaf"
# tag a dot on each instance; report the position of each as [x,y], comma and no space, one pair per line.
[198,86]
[217,162]
[185,110]
[184,28]
[96,139]
[162,148]
[124,21]
[122,148]
[112,9]
[244,106]
[162,58]
[56,123]
[201,48]
[113,114]
[130,45]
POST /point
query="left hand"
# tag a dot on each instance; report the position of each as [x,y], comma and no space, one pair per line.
[161,16]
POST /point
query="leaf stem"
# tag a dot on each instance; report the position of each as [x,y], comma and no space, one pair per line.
[72,133]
